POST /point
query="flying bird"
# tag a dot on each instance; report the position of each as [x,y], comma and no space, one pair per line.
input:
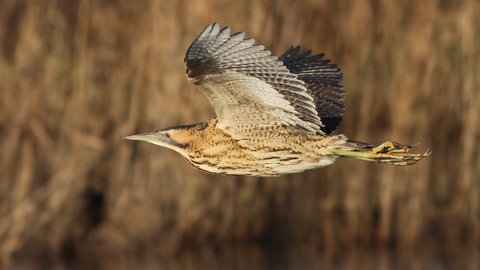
[274,114]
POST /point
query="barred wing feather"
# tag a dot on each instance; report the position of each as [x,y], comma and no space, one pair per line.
[323,82]
[247,86]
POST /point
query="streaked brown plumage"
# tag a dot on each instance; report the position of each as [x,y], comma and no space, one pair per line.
[274,115]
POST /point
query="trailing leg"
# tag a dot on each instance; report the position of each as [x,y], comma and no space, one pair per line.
[388,152]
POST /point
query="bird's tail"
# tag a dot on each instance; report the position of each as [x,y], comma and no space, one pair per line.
[388,152]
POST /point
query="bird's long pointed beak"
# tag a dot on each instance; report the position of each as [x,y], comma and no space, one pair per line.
[147,136]
[157,137]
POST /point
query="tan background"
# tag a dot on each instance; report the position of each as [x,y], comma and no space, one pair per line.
[76,76]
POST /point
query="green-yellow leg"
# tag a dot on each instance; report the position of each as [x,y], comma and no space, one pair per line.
[388,152]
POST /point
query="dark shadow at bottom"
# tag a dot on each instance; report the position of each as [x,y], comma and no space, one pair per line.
[254,257]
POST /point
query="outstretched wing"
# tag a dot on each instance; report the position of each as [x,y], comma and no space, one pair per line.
[249,88]
[323,82]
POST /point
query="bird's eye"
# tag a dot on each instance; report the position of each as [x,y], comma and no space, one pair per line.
[167,134]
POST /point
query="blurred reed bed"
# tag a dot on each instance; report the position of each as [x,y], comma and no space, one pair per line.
[76,76]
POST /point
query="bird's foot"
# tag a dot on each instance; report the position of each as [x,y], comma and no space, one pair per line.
[396,154]
[388,152]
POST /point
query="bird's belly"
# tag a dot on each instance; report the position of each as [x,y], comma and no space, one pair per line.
[300,166]
[261,165]
[265,154]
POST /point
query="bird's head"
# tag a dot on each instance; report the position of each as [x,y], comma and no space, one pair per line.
[176,138]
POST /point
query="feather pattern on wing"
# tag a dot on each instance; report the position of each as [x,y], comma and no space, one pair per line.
[323,82]
[248,87]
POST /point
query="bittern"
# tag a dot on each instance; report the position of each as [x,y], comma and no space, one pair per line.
[274,114]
